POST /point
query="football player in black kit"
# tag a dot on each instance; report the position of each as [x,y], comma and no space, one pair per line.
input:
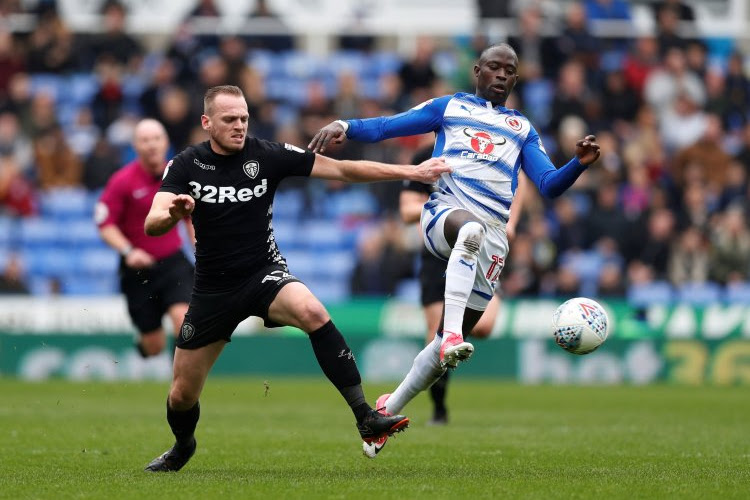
[227,185]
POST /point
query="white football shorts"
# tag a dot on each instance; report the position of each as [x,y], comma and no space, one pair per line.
[492,254]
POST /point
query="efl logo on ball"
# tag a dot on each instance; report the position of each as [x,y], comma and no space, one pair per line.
[580,325]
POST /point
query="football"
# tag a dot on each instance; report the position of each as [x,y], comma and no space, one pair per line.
[580,325]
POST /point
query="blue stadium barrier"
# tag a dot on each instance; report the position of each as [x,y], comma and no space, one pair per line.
[737,293]
[699,293]
[645,294]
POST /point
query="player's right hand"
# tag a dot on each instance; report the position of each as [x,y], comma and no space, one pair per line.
[182,206]
[430,170]
[333,132]
[139,259]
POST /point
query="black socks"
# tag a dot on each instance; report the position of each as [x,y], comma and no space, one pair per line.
[183,423]
[438,391]
[337,362]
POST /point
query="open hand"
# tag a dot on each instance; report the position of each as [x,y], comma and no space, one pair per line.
[587,150]
[430,170]
[182,206]
[333,132]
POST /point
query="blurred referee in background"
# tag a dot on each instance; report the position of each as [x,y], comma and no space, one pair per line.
[155,275]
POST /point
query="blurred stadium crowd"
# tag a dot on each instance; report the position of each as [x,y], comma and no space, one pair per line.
[661,216]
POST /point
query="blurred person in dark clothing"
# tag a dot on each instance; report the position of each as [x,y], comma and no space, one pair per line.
[100,165]
[282,40]
[12,279]
[12,61]
[175,113]
[683,10]
[51,46]
[730,247]
[620,101]
[534,48]
[607,218]
[611,282]
[737,86]
[570,231]
[571,95]
[668,32]
[576,41]
[163,76]
[418,72]
[108,101]
[689,257]
[382,261]
[656,243]
[114,42]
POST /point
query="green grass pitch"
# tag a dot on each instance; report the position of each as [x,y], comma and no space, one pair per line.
[92,440]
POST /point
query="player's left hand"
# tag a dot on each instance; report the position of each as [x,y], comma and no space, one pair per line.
[430,170]
[332,133]
[587,150]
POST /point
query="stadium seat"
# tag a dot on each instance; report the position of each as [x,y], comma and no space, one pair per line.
[288,204]
[321,235]
[645,294]
[37,231]
[8,228]
[82,87]
[98,262]
[49,261]
[80,233]
[287,235]
[65,203]
[699,293]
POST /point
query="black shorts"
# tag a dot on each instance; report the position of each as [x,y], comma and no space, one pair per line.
[150,292]
[214,316]
[432,278]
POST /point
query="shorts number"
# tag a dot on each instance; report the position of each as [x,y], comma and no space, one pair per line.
[493,273]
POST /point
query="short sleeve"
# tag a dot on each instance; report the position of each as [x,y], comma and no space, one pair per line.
[290,160]
[111,204]
[175,179]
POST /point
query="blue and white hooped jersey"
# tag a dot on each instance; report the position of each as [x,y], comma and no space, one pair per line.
[486,146]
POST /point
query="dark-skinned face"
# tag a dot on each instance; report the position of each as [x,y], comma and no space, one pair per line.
[496,74]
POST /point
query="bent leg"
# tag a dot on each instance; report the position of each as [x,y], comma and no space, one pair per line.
[295,305]
[151,343]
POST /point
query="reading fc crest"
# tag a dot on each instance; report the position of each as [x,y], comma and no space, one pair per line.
[251,168]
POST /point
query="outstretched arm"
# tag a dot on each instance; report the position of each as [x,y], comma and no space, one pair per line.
[167,210]
[371,171]
[421,119]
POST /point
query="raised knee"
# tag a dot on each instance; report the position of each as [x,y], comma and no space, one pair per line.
[471,236]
